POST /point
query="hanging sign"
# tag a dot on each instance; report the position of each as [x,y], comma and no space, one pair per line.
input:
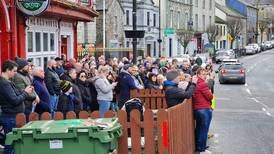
[32,7]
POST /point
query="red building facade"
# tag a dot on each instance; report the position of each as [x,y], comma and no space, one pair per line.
[44,36]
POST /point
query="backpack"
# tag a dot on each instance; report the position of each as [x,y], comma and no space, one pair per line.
[132,104]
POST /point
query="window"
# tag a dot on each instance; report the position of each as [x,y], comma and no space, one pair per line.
[178,20]
[148,18]
[45,42]
[186,20]
[30,42]
[154,54]
[210,4]
[38,41]
[210,20]
[197,3]
[224,30]
[171,18]
[115,24]
[221,30]
[154,20]
[196,21]
[216,44]
[127,17]
[221,44]
[203,4]
[38,61]
[203,22]
[52,42]
[127,44]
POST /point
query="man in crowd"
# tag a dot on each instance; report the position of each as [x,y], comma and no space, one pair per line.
[41,90]
[11,99]
[174,94]
[126,83]
[52,81]
[22,80]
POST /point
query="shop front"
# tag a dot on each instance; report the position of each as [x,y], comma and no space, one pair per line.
[41,36]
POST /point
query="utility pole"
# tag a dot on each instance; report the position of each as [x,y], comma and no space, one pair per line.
[104,26]
[160,39]
[134,20]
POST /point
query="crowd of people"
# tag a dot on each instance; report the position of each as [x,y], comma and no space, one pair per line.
[98,84]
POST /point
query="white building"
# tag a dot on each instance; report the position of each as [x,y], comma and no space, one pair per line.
[147,20]
[203,15]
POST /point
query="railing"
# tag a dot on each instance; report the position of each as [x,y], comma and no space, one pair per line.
[169,131]
[153,99]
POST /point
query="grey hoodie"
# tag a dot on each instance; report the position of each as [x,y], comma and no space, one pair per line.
[104,89]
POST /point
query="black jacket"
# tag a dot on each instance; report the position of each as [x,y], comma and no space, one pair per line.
[11,99]
[175,95]
[84,88]
[52,82]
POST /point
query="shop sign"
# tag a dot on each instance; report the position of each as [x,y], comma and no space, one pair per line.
[32,7]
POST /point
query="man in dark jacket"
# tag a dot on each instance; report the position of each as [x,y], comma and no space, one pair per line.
[52,81]
[21,80]
[41,90]
[126,83]
[175,95]
[11,99]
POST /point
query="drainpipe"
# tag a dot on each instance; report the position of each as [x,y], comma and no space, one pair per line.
[13,35]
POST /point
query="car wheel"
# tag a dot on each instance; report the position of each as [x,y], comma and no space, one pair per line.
[243,81]
[221,82]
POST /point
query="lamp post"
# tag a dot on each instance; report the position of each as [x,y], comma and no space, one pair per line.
[160,39]
[104,26]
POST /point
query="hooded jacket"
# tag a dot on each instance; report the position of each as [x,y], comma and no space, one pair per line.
[175,95]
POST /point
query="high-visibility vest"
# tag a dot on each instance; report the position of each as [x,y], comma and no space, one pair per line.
[213,103]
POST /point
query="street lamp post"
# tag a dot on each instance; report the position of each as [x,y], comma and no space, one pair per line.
[160,40]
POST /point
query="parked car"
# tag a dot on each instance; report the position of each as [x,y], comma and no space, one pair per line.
[250,49]
[232,72]
[268,45]
[262,46]
[224,54]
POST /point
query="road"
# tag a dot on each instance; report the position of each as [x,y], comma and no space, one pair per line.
[243,122]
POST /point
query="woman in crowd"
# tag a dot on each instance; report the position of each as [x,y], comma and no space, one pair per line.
[152,81]
[84,87]
[202,110]
[104,89]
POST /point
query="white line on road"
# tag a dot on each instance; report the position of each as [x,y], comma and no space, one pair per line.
[248,91]
[264,109]
[246,85]
[268,114]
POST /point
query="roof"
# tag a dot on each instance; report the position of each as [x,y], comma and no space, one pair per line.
[99,4]
[228,11]
[247,3]
[219,20]
[262,2]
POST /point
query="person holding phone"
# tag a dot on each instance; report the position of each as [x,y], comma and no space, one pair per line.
[104,89]
[11,99]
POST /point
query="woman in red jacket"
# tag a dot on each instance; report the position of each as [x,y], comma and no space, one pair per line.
[202,110]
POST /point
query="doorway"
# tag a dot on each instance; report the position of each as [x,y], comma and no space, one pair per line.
[64,45]
[149,50]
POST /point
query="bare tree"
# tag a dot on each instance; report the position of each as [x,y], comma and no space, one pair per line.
[185,37]
[262,27]
[234,27]
[212,32]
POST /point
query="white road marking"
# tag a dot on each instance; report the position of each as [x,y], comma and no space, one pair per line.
[246,85]
[248,91]
[264,109]
[268,114]
[223,99]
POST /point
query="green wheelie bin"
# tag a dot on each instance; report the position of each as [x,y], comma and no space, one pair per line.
[78,136]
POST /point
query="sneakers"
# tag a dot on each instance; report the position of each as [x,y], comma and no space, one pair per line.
[206,152]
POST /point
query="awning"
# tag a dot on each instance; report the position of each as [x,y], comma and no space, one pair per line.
[69,10]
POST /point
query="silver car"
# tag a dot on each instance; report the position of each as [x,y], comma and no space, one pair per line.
[232,72]
[224,54]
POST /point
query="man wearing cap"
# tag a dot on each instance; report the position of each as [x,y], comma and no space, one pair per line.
[174,94]
[22,80]
[59,69]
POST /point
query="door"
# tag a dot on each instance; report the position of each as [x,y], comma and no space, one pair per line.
[64,45]
[148,49]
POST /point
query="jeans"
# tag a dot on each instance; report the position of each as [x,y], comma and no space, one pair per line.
[53,103]
[103,107]
[203,118]
[8,123]
[114,106]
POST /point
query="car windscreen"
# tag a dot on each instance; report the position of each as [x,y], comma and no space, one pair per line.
[222,54]
[233,67]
